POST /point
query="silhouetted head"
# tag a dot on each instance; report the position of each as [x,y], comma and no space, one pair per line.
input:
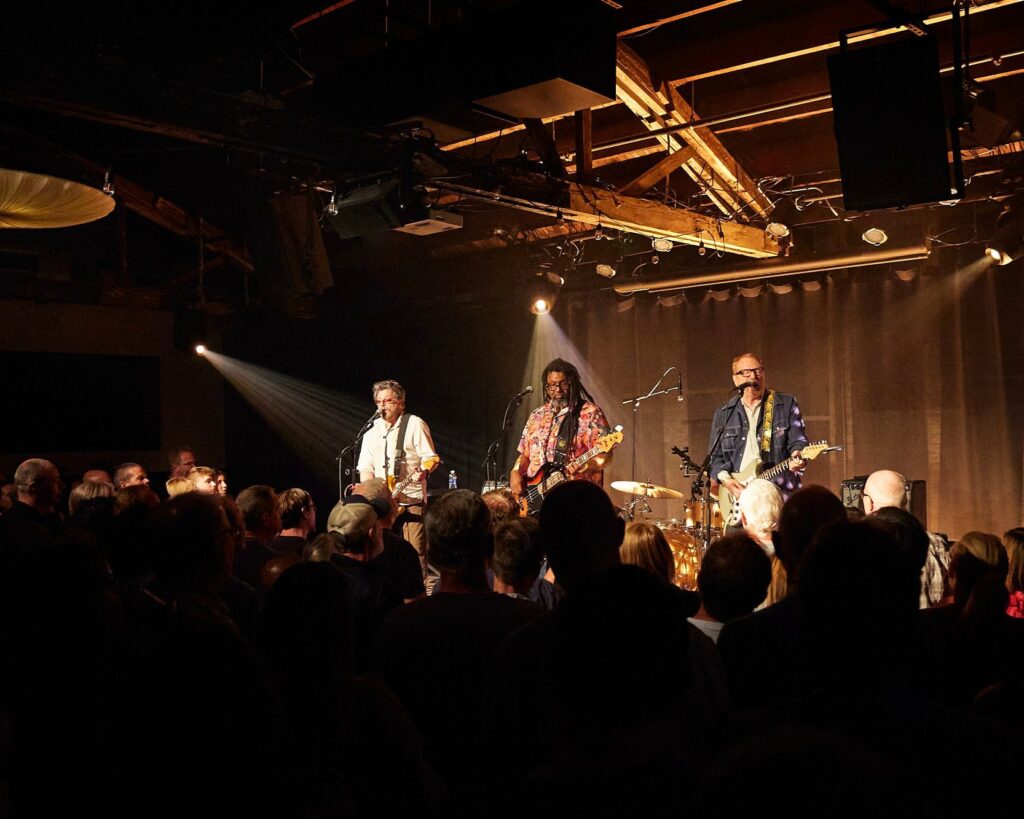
[734,577]
[581,531]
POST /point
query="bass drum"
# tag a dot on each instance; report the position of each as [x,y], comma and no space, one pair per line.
[685,551]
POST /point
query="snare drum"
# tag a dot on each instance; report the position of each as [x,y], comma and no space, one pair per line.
[693,512]
[685,551]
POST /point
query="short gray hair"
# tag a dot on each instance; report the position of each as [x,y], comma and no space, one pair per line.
[392,385]
[31,471]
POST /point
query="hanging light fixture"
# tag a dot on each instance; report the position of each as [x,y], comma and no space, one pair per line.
[543,291]
[32,200]
[1007,243]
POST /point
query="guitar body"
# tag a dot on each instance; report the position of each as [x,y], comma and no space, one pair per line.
[550,475]
[397,486]
[729,505]
[535,488]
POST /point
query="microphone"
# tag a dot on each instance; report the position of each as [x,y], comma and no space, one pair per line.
[679,386]
[373,417]
[525,392]
[744,385]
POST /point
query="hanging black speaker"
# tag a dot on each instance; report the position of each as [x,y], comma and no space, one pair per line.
[890,126]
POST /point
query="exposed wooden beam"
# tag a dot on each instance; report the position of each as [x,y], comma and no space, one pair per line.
[660,106]
[542,140]
[633,215]
[786,38]
[656,172]
[594,206]
[675,18]
[584,129]
[546,233]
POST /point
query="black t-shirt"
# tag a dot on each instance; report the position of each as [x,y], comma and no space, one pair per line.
[288,544]
[400,564]
[434,653]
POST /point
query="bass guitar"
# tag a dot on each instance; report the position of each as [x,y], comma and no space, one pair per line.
[550,475]
[729,506]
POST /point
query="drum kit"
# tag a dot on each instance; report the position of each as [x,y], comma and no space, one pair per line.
[685,534]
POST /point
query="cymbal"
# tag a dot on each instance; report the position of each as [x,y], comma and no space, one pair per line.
[651,490]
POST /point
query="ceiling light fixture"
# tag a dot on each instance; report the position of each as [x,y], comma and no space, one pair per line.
[543,291]
[1007,243]
[875,236]
[662,245]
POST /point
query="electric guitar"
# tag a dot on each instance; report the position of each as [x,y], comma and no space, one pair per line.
[729,506]
[550,475]
[398,486]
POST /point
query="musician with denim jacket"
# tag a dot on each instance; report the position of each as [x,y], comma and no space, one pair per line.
[742,421]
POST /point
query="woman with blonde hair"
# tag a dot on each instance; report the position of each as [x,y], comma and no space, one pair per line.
[645,546]
[87,490]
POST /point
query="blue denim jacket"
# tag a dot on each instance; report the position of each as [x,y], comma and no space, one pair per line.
[787,435]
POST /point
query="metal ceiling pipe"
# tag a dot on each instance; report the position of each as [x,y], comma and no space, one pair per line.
[756,271]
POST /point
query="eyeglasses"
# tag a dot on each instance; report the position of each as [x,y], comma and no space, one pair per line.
[749,372]
[557,385]
[383,401]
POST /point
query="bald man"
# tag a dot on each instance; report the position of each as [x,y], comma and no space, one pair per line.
[33,518]
[889,488]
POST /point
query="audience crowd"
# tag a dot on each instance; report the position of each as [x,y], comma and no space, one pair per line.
[214,655]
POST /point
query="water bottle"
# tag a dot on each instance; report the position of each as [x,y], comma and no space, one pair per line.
[453,480]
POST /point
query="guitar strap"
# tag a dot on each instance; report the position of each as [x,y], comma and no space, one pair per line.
[566,434]
[766,426]
[396,467]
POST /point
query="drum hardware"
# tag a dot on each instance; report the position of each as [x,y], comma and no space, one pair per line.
[641,492]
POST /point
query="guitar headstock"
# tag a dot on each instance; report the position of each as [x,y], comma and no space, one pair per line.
[812,451]
[606,442]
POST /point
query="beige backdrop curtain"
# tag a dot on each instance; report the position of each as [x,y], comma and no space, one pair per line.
[925,377]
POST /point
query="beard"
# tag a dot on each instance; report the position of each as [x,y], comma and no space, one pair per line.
[559,404]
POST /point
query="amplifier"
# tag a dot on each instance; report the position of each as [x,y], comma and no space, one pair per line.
[851,489]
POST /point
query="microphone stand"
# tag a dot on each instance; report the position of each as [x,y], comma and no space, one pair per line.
[352,449]
[635,401]
[702,483]
[490,463]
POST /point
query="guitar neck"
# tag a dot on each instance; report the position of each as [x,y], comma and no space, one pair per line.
[775,471]
[593,452]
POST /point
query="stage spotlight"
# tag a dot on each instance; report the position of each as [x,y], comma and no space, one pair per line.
[609,257]
[200,349]
[661,245]
[777,229]
[1007,243]
[875,236]
[543,291]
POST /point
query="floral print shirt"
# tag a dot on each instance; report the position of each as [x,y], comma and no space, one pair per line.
[540,437]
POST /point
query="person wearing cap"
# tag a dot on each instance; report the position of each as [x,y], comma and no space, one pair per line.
[398,559]
[353,525]
[397,446]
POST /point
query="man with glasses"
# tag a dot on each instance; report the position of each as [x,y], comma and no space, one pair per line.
[757,424]
[567,425]
[396,446]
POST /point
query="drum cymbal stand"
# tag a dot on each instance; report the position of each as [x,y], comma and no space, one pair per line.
[638,500]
